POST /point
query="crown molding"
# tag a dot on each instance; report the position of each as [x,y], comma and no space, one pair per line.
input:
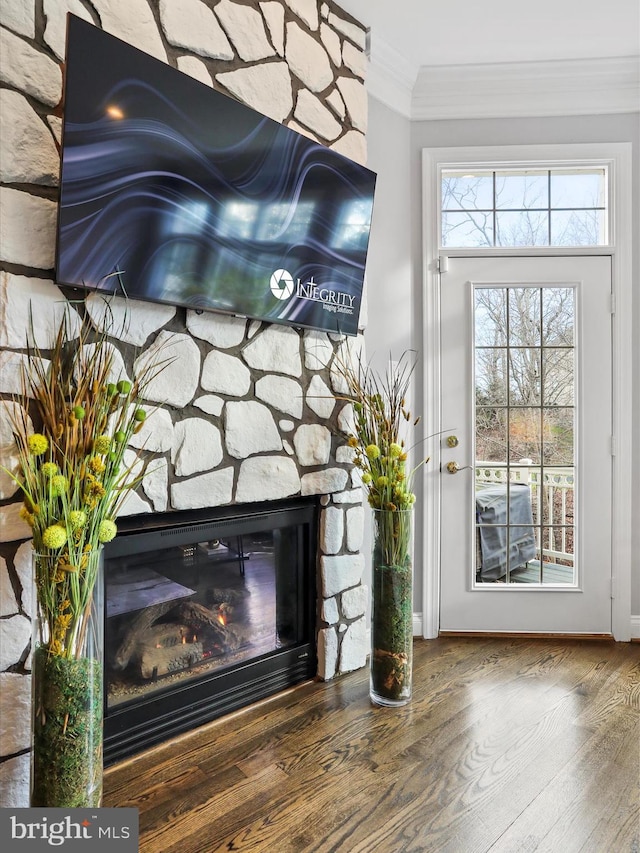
[391,77]
[527,89]
[503,90]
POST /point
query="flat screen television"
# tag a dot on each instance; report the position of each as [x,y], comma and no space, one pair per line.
[173,192]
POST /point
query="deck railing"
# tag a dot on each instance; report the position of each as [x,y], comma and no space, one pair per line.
[552,493]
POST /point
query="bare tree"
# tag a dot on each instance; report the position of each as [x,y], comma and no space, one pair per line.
[483,211]
[524,359]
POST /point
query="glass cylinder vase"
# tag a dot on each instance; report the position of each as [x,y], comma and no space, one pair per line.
[391,660]
[67,682]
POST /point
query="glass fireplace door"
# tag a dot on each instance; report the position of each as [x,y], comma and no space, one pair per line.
[203,618]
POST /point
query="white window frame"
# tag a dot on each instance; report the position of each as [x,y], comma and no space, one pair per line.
[617,157]
[518,168]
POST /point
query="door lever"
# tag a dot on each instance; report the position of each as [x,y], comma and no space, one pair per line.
[453,467]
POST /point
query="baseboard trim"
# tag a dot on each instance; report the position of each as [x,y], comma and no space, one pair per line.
[418,632]
[526,635]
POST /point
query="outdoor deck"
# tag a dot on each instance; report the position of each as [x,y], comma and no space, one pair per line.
[551,495]
[552,573]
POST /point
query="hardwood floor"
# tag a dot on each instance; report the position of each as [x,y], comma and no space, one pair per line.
[508,745]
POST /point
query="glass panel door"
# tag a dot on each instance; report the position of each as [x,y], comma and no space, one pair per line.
[524,434]
[525,473]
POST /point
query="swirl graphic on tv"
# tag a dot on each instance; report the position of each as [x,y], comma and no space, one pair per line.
[194,199]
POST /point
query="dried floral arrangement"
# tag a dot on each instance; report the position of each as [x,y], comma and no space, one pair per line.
[74,477]
[381,421]
[381,416]
[72,471]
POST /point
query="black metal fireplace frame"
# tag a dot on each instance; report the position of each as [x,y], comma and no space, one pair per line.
[152,720]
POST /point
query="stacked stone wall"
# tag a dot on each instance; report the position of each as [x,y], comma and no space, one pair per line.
[247,409]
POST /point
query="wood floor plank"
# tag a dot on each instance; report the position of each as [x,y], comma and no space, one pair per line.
[556,819]
[508,745]
[480,774]
[619,688]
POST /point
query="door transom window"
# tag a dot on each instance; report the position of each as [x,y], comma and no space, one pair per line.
[488,208]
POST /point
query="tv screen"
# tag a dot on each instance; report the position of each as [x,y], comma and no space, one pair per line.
[172,192]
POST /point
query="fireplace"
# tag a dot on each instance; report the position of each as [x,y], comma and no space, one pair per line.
[206,612]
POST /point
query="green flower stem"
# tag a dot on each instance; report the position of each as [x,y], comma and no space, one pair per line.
[393,537]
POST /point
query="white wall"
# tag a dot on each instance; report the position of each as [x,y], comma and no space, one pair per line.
[395,280]
[394,323]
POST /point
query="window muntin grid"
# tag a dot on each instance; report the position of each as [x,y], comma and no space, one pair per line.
[524,353]
[528,207]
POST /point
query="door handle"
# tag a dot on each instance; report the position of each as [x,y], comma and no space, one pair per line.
[453,467]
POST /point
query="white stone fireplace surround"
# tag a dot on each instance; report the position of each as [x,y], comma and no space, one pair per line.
[248,410]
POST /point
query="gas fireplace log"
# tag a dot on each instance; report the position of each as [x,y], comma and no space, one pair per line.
[155,662]
[164,635]
[137,628]
[200,617]
[234,638]
[210,622]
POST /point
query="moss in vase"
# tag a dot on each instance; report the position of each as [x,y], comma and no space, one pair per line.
[67,736]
